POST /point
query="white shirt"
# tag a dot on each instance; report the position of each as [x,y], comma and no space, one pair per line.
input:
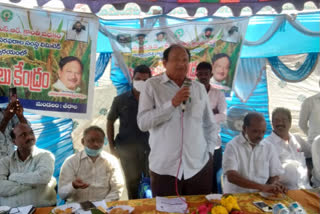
[28,182]
[292,160]
[309,120]
[164,122]
[61,87]
[316,162]
[6,145]
[217,100]
[104,177]
[257,164]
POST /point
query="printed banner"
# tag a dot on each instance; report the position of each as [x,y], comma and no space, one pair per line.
[217,42]
[50,58]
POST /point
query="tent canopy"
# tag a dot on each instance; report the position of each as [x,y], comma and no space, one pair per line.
[168,5]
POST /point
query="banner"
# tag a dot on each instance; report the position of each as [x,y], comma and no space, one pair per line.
[217,42]
[50,58]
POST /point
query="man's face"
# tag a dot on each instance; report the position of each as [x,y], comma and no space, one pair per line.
[204,76]
[208,33]
[24,137]
[256,130]
[78,27]
[281,124]
[141,38]
[160,37]
[177,64]
[93,140]
[71,75]
[141,76]
[220,69]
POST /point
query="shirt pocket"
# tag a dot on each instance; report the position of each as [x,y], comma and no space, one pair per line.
[197,109]
[262,168]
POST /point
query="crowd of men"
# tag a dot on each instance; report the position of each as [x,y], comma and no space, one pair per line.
[169,130]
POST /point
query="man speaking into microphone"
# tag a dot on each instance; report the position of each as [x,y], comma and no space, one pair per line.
[182,129]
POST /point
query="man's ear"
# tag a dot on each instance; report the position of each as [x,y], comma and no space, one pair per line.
[164,62]
[82,142]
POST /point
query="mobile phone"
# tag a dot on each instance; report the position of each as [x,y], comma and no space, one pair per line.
[263,206]
[13,94]
[87,205]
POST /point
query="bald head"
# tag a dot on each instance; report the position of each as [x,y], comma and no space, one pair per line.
[254,127]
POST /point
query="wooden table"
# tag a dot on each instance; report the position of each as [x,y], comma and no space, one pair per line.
[308,199]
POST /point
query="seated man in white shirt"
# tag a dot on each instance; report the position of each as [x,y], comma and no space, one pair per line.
[249,164]
[92,174]
[26,175]
[290,149]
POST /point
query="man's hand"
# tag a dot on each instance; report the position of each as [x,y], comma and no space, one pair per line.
[182,95]
[9,111]
[78,183]
[114,152]
[19,109]
[215,110]
[274,188]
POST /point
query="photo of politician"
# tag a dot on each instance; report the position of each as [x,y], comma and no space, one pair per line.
[220,67]
[70,75]
[77,31]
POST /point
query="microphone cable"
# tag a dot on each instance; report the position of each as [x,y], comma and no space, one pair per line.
[180,161]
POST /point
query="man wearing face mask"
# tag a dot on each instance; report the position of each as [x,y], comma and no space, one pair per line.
[250,165]
[131,144]
[92,174]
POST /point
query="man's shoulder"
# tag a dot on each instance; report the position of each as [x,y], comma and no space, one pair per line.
[108,157]
[311,98]
[235,142]
[42,153]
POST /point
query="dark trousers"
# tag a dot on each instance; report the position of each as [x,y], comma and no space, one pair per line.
[134,162]
[199,184]
[217,160]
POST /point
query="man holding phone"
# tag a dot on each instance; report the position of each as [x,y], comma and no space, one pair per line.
[9,118]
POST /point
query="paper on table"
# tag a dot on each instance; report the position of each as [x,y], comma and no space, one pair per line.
[171,205]
[213,197]
[23,210]
[102,204]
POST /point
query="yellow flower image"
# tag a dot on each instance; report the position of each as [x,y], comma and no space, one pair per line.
[230,203]
[219,210]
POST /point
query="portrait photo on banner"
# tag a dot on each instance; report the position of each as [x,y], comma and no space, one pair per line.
[50,66]
[217,42]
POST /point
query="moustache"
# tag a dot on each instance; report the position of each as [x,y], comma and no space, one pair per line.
[280,126]
[30,141]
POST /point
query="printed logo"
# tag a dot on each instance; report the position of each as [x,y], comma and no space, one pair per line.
[6,15]
[179,33]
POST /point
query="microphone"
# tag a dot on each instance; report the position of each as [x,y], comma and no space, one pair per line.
[187,83]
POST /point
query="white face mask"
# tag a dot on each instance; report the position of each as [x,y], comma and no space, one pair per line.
[139,85]
[248,139]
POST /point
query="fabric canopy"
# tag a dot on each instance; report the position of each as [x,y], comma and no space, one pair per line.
[189,5]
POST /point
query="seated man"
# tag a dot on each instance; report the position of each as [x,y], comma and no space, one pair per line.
[250,165]
[92,174]
[26,175]
[290,152]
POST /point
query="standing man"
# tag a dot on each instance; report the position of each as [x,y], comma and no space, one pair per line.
[9,118]
[182,142]
[131,144]
[92,174]
[249,164]
[290,149]
[219,108]
[309,120]
[26,175]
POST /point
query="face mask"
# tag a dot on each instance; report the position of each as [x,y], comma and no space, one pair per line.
[92,152]
[139,85]
[248,139]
